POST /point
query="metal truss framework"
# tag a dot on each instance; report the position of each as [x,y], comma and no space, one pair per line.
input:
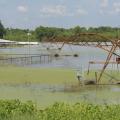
[82,40]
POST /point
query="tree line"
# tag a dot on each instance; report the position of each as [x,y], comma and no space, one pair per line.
[41,33]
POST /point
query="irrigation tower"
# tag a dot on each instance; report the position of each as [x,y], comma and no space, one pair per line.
[89,39]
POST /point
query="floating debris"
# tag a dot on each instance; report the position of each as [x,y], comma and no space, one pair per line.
[90,82]
[75,55]
[56,55]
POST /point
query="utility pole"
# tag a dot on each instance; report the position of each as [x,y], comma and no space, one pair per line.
[118,32]
[28,34]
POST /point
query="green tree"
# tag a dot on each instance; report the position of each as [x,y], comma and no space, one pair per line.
[47,32]
[2,30]
[77,30]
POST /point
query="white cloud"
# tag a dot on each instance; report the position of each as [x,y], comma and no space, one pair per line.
[116,7]
[104,6]
[61,10]
[101,12]
[81,12]
[104,3]
[22,9]
[58,10]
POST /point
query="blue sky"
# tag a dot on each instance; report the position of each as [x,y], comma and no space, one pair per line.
[59,13]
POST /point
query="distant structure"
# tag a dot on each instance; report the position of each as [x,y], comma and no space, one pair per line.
[6,42]
[92,40]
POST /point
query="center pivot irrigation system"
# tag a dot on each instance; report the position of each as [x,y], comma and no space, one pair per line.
[112,46]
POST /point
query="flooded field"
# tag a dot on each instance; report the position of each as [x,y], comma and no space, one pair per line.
[46,83]
[44,95]
[66,57]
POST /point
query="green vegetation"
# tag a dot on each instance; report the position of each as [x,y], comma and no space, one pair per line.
[81,112]
[15,110]
[42,33]
[19,35]
[2,30]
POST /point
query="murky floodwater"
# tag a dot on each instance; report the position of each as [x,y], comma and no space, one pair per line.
[85,54]
[45,95]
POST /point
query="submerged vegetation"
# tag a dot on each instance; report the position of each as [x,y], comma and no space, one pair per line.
[22,75]
[15,110]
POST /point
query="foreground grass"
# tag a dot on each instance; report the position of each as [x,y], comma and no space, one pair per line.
[21,75]
[15,110]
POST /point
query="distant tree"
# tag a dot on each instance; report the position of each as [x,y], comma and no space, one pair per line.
[91,29]
[77,30]
[2,30]
[43,33]
[19,34]
[83,29]
[46,32]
